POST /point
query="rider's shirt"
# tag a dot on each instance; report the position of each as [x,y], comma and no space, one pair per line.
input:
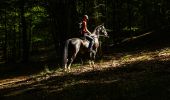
[84,25]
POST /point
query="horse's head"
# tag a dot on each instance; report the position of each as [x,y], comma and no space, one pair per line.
[103,30]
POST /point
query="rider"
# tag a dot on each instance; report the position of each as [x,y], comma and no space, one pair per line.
[86,33]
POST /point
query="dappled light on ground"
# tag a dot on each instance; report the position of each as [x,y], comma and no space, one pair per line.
[127,58]
[123,75]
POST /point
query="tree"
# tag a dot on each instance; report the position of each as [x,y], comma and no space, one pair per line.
[25,45]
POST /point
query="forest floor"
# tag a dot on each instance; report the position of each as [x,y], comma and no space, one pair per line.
[141,75]
[122,75]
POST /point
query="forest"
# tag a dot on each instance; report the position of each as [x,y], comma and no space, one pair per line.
[133,63]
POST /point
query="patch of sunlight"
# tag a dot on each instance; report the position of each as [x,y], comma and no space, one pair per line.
[133,58]
[116,63]
[76,65]
[160,54]
[164,52]
[13,80]
[126,57]
[141,58]
[131,28]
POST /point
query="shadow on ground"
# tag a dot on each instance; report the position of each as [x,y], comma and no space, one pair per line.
[11,70]
[147,80]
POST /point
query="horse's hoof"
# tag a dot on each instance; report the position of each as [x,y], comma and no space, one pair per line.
[64,70]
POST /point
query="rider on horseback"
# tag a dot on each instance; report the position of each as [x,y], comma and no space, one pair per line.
[86,33]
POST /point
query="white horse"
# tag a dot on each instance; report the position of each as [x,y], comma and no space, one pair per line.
[74,45]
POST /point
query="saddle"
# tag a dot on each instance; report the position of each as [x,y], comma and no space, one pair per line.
[85,41]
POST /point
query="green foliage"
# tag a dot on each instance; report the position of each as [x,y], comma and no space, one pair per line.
[131,29]
[54,21]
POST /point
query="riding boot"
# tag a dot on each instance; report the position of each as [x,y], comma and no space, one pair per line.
[91,46]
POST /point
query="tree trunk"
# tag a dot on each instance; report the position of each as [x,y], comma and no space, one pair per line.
[5,41]
[25,43]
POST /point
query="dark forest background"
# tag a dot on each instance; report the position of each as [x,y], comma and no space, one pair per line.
[35,30]
[132,64]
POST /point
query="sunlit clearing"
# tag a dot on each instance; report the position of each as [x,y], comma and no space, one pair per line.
[163,54]
[131,58]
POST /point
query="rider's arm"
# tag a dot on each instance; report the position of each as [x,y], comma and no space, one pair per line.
[85,24]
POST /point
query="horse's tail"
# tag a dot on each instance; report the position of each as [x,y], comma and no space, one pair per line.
[65,54]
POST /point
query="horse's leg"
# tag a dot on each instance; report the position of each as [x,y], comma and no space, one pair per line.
[72,59]
[65,66]
[92,60]
[90,63]
[93,65]
[93,57]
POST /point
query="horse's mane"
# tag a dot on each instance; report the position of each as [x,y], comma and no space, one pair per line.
[96,29]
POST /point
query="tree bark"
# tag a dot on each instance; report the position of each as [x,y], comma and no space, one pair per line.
[25,43]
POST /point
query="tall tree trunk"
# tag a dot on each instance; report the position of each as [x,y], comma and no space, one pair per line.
[14,56]
[25,43]
[5,41]
[53,22]
[84,6]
